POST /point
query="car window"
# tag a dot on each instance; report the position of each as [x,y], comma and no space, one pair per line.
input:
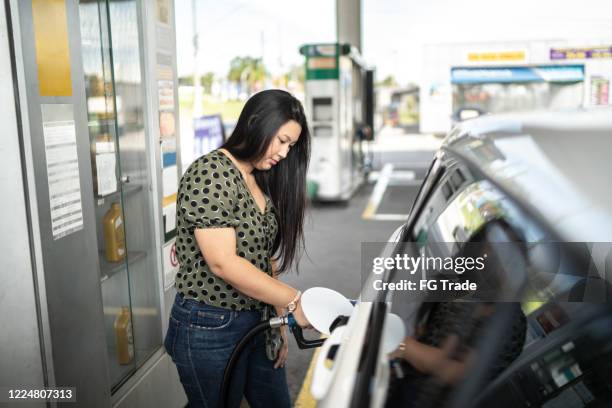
[434,173]
[455,206]
[453,183]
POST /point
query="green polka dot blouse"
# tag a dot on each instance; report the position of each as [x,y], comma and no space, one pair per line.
[213,194]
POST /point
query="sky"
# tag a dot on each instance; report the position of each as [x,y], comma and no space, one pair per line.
[272,28]
[393,31]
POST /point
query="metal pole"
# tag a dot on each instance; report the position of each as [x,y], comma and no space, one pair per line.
[348,22]
[197,86]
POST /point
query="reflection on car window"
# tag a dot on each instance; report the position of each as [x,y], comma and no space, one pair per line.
[454,181]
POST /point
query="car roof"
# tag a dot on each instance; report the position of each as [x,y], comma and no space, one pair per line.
[558,164]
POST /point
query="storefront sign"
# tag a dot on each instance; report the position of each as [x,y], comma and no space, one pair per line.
[496,56]
[580,53]
[568,73]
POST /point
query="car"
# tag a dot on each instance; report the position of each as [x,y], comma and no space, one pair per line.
[534,188]
[466,112]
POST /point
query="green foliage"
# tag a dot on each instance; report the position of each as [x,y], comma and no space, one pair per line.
[185,81]
[409,110]
[296,73]
[248,69]
[207,81]
[211,105]
[388,81]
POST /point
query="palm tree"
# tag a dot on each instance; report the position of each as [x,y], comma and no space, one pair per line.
[247,71]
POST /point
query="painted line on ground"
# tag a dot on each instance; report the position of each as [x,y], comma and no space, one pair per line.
[305,398]
[414,183]
[378,192]
[385,178]
[389,217]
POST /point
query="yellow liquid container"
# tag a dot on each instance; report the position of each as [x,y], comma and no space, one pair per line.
[123,334]
[114,237]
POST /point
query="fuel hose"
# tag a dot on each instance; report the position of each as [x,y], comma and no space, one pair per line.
[233,360]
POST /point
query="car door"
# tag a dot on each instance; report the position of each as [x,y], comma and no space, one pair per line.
[356,355]
[453,206]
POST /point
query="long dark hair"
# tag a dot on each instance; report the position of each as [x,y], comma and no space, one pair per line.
[285,183]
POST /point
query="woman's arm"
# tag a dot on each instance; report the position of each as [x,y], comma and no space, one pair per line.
[279,310]
[284,351]
[218,246]
[434,360]
[423,357]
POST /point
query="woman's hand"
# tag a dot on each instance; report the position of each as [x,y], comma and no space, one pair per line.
[300,318]
[398,352]
[284,351]
[437,361]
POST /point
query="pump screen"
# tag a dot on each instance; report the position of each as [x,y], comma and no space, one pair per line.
[322,109]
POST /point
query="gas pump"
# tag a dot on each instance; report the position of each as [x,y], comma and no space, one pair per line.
[339,104]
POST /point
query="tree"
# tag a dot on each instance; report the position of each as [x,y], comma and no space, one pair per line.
[388,81]
[207,81]
[185,81]
[247,71]
[296,73]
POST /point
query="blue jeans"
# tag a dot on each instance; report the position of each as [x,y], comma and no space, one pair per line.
[200,340]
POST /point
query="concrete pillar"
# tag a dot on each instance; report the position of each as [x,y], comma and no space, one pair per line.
[348,22]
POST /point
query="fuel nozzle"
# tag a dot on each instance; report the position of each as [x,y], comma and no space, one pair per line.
[324,308]
[297,332]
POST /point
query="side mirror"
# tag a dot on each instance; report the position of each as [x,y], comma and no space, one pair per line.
[468,114]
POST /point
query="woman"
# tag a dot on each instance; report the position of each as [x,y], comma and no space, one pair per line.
[444,348]
[240,211]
